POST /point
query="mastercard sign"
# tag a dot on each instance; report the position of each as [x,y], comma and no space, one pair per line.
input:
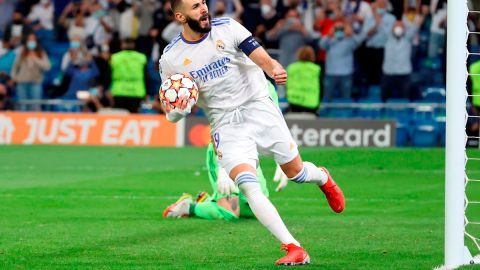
[197,131]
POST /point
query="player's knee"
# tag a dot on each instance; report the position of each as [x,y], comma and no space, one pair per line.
[244,167]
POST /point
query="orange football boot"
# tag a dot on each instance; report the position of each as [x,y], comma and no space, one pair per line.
[334,194]
[295,255]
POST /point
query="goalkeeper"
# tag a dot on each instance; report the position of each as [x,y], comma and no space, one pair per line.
[226,201]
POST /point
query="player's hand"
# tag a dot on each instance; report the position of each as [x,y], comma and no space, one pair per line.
[281,178]
[225,185]
[279,75]
[183,103]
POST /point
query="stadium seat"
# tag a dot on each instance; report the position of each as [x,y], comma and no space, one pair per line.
[372,110]
[424,113]
[403,134]
[374,91]
[441,124]
[397,108]
[58,49]
[424,134]
[434,94]
[323,111]
[343,111]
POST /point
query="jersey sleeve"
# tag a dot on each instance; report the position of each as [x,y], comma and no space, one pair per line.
[243,39]
[239,32]
[164,69]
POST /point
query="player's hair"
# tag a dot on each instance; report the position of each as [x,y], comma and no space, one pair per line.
[306,53]
[175,4]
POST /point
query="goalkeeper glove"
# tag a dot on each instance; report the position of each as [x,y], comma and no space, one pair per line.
[225,185]
[281,178]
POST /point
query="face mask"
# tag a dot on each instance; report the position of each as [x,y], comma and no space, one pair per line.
[31,45]
[398,31]
[380,11]
[99,13]
[339,34]
[74,45]
[265,9]
[331,14]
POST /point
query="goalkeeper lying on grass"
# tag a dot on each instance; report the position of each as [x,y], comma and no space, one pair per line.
[226,201]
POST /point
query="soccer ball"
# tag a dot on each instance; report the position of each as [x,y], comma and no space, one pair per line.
[176,86]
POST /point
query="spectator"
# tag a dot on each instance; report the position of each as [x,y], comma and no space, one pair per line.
[102,60]
[77,50]
[377,26]
[17,30]
[303,85]
[5,103]
[101,97]
[28,71]
[226,8]
[171,31]
[98,27]
[397,64]
[291,35]
[128,22]
[98,99]
[70,12]
[7,58]
[129,74]
[144,10]
[41,18]
[356,11]
[162,17]
[6,9]
[77,27]
[436,44]
[325,20]
[83,74]
[340,45]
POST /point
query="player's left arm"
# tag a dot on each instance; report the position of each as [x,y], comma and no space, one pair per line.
[273,69]
[247,43]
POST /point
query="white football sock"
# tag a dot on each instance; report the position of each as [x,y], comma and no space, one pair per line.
[311,174]
[263,209]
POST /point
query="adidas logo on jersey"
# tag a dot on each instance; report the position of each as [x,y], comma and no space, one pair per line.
[187,61]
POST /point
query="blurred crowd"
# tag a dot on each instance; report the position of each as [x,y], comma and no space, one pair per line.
[105,52]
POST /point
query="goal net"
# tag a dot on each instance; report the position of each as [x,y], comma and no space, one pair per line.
[462,174]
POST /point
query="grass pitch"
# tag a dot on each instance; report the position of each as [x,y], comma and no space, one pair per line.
[100,208]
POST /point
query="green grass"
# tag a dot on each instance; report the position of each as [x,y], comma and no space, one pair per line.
[100,208]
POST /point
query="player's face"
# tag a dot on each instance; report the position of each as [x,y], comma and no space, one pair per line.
[197,16]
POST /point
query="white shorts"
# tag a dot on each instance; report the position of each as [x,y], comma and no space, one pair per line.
[253,128]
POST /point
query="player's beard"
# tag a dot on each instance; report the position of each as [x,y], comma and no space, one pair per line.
[196,26]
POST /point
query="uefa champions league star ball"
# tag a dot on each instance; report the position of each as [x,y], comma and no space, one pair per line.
[176,86]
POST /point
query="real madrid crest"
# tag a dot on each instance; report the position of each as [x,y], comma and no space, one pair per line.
[220,45]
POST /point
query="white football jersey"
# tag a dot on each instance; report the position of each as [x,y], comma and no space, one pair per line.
[226,77]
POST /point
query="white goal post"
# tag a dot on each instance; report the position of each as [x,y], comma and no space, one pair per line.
[456,253]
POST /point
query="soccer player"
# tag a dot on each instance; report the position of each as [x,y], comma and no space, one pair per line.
[227,64]
[225,203]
